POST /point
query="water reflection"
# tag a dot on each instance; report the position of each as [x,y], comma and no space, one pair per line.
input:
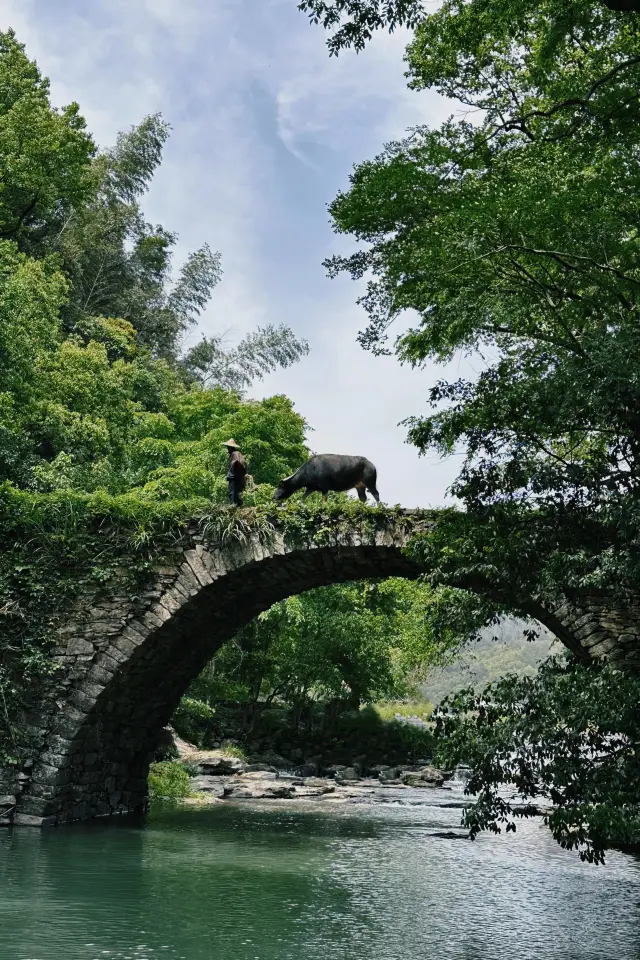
[353,883]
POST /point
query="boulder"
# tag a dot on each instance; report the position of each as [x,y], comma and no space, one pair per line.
[259,790]
[218,764]
[424,777]
[210,785]
[346,774]
[256,776]
[432,775]
[385,773]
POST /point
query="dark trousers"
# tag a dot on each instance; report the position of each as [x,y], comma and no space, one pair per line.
[234,489]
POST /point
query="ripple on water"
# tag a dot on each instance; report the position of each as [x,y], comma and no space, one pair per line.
[306,882]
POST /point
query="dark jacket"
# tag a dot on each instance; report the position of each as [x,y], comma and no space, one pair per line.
[237,469]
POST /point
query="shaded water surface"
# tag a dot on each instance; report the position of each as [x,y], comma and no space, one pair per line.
[266,882]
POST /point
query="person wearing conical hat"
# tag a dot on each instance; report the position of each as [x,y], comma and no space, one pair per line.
[236,473]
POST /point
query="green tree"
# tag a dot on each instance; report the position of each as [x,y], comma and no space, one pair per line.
[344,646]
[44,153]
[120,265]
[357,20]
[567,736]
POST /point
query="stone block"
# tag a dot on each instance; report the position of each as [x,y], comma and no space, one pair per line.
[100,674]
[102,628]
[26,820]
[34,807]
[605,646]
[188,581]
[136,631]
[91,776]
[151,621]
[65,725]
[198,568]
[79,647]
[182,589]
[46,774]
[52,759]
[91,689]
[82,700]
[583,633]
[43,791]
[172,601]
[108,661]
[161,612]
[125,645]
[115,654]
[594,639]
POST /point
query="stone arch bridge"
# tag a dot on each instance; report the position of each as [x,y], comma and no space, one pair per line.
[124,662]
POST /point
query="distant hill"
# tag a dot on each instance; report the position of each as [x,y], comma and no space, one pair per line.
[487,659]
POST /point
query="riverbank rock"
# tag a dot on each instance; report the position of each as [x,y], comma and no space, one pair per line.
[424,777]
[221,766]
[346,775]
[212,786]
[218,776]
[242,789]
[215,763]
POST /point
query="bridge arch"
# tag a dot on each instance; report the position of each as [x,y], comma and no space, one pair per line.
[124,661]
[127,661]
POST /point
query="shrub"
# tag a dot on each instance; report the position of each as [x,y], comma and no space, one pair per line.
[168,780]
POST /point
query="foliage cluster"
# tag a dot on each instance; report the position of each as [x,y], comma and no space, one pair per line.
[346,645]
[567,735]
[168,780]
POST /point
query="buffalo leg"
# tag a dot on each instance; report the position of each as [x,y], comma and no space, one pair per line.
[362,492]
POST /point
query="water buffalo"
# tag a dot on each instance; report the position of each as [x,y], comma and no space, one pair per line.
[331,471]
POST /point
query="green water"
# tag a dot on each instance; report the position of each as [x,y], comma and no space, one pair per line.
[262,882]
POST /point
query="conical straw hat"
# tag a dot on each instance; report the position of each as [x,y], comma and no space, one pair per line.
[230,443]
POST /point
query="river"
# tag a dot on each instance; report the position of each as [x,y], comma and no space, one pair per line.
[271,881]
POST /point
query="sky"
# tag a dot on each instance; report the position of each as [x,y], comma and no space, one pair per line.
[266,128]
